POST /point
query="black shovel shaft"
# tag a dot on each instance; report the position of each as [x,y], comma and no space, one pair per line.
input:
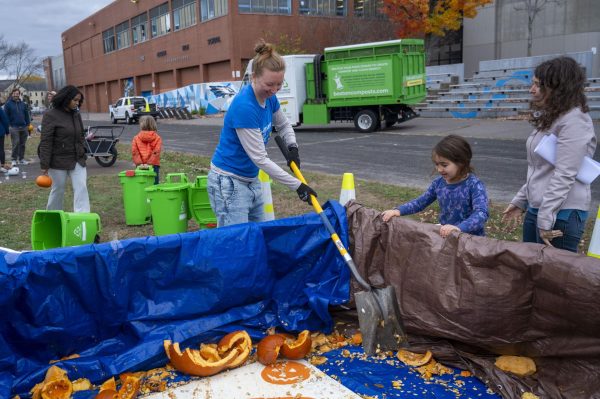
[315,203]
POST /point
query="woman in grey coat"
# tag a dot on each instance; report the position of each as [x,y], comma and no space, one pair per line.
[62,149]
[554,202]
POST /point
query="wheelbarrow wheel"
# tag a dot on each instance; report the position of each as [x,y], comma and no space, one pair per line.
[108,160]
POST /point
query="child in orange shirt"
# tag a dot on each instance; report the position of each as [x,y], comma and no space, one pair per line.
[146,146]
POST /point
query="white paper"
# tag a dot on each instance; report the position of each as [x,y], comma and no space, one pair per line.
[589,169]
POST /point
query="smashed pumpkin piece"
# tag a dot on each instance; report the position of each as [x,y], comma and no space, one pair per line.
[433,368]
[267,350]
[317,360]
[193,362]
[414,359]
[81,384]
[130,386]
[239,340]
[297,348]
[108,389]
[56,385]
[529,395]
[517,365]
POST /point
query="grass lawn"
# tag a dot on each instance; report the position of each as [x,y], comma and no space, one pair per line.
[20,200]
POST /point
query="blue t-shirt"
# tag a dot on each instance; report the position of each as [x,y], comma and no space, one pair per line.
[244,113]
[463,204]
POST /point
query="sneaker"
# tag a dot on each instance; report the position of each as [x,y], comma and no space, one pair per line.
[23,162]
[13,163]
[2,170]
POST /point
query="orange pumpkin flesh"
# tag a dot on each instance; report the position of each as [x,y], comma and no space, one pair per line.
[130,387]
[108,389]
[297,348]
[268,348]
[191,361]
[239,340]
[56,385]
[43,181]
[414,359]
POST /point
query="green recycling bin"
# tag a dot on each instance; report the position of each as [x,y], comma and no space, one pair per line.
[169,205]
[135,198]
[53,229]
[200,208]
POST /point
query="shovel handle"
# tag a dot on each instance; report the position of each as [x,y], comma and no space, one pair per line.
[315,203]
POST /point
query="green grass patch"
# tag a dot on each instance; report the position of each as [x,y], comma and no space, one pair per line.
[23,198]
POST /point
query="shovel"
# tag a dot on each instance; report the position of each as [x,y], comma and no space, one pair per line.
[378,314]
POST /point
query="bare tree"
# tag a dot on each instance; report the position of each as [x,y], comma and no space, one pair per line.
[7,51]
[22,63]
[533,8]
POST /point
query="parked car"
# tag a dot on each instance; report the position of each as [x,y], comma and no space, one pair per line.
[131,109]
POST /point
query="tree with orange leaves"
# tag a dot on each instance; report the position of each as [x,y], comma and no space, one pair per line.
[434,17]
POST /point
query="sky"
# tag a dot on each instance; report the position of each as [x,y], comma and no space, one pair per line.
[40,23]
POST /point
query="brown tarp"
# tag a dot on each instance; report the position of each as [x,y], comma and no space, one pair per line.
[469,299]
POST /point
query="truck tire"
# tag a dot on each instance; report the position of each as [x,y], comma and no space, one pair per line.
[128,119]
[113,120]
[366,121]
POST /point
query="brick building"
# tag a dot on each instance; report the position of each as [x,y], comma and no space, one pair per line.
[153,46]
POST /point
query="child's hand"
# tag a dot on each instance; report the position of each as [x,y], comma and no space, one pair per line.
[446,229]
[387,215]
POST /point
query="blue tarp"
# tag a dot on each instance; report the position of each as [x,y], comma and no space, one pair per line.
[114,303]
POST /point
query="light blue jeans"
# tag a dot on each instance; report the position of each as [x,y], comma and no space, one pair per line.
[234,201]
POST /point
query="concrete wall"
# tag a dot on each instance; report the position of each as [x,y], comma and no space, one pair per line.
[500,32]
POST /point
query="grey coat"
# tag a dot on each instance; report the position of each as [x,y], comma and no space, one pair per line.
[551,188]
[62,142]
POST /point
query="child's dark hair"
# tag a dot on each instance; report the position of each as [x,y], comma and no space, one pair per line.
[457,150]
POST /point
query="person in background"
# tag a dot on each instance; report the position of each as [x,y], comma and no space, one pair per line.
[62,150]
[554,202]
[19,120]
[461,195]
[4,131]
[49,97]
[147,145]
[233,187]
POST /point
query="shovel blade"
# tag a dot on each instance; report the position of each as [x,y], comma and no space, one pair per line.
[383,332]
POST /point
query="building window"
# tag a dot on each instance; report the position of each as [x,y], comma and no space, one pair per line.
[108,37]
[122,32]
[139,27]
[265,6]
[212,8]
[369,8]
[323,7]
[184,13]
[160,20]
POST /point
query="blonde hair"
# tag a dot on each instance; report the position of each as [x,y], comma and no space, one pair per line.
[266,58]
[148,123]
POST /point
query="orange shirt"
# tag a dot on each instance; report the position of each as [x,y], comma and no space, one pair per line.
[146,147]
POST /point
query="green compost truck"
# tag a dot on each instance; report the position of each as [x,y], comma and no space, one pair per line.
[371,84]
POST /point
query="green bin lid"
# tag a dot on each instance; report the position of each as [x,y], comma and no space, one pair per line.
[137,172]
[168,187]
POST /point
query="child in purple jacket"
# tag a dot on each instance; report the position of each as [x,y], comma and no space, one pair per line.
[460,194]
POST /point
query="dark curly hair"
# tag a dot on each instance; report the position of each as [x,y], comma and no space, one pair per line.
[64,96]
[562,83]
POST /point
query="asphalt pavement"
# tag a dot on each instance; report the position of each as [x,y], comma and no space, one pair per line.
[398,155]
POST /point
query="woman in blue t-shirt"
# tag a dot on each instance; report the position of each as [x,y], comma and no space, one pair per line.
[233,187]
[461,195]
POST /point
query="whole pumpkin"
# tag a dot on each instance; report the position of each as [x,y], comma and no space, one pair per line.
[43,181]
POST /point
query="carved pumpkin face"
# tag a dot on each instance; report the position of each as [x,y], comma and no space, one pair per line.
[283,373]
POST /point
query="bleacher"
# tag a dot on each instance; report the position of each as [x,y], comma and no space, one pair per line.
[489,93]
